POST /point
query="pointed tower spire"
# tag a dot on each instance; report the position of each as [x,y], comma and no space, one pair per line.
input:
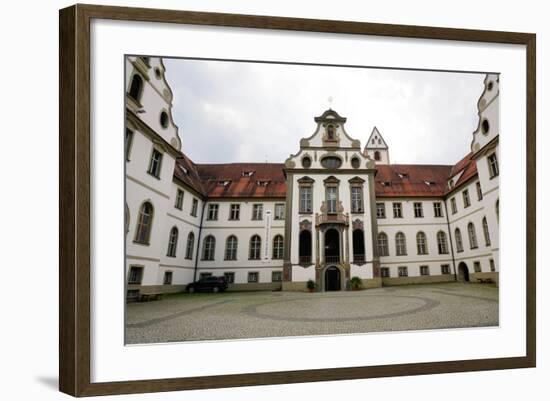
[377,148]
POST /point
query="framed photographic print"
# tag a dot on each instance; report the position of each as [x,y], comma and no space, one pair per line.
[297,200]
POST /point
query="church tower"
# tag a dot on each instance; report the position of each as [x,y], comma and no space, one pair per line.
[376,148]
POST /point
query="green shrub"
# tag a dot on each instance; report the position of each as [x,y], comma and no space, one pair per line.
[356,283]
[310,285]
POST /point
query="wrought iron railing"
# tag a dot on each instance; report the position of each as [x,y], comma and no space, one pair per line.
[359,258]
[324,218]
[332,259]
[304,260]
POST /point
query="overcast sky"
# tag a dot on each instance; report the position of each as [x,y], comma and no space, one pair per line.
[255,112]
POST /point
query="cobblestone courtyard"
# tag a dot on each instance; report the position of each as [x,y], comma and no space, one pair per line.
[231,315]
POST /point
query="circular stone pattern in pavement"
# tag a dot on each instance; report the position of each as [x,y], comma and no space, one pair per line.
[342,308]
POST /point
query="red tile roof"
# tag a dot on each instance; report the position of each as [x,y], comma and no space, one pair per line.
[267,180]
[243,180]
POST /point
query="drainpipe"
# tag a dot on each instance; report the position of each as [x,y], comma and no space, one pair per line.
[197,254]
[450,239]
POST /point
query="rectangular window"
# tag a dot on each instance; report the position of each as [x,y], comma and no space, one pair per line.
[357,199]
[397,212]
[492,265]
[167,278]
[229,277]
[257,211]
[179,200]
[424,270]
[418,209]
[493,165]
[453,205]
[381,210]
[128,143]
[194,207]
[136,274]
[438,211]
[253,277]
[466,198]
[477,267]
[385,271]
[332,199]
[306,200]
[213,209]
[277,276]
[155,163]
[445,269]
[402,271]
[279,211]
[235,211]
[479,193]
[202,276]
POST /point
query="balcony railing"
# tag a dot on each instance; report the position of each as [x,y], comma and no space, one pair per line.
[304,260]
[338,218]
[359,258]
[332,259]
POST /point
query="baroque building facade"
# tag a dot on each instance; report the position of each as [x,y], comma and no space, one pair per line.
[331,211]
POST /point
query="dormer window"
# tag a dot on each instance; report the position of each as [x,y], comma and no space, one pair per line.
[429,183]
[451,184]
[247,173]
[262,183]
[386,183]
[403,175]
[224,183]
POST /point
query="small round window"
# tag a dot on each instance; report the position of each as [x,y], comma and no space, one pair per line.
[485,126]
[490,85]
[164,119]
[158,73]
[355,162]
[306,162]
[331,162]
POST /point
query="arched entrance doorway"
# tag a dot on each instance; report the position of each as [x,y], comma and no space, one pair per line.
[463,273]
[332,246]
[332,279]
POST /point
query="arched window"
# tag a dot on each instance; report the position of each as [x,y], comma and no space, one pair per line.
[400,244]
[172,242]
[255,247]
[278,247]
[458,239]
[383,249]
[305,247]
[189,246]
[486,232]
[208,248]
[442,247]
[421,243]
[231,248]
[472,235]
[377,155]
[144,223]
[136,87]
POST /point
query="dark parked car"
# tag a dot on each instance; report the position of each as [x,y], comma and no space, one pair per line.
[210,283]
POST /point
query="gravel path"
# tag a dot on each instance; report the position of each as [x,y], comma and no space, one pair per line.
[192,317]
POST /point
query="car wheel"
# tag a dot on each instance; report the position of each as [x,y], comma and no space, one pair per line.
[216,289]
[191,290]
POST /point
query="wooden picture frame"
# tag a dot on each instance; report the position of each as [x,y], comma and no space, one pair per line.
[74,202]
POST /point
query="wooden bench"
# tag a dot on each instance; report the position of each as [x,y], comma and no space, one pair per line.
[150,296]
[485,280]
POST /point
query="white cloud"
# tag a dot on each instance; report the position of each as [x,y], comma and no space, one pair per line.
[253,112]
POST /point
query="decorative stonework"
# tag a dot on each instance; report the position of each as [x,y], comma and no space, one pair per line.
[305,225]
[357,224]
